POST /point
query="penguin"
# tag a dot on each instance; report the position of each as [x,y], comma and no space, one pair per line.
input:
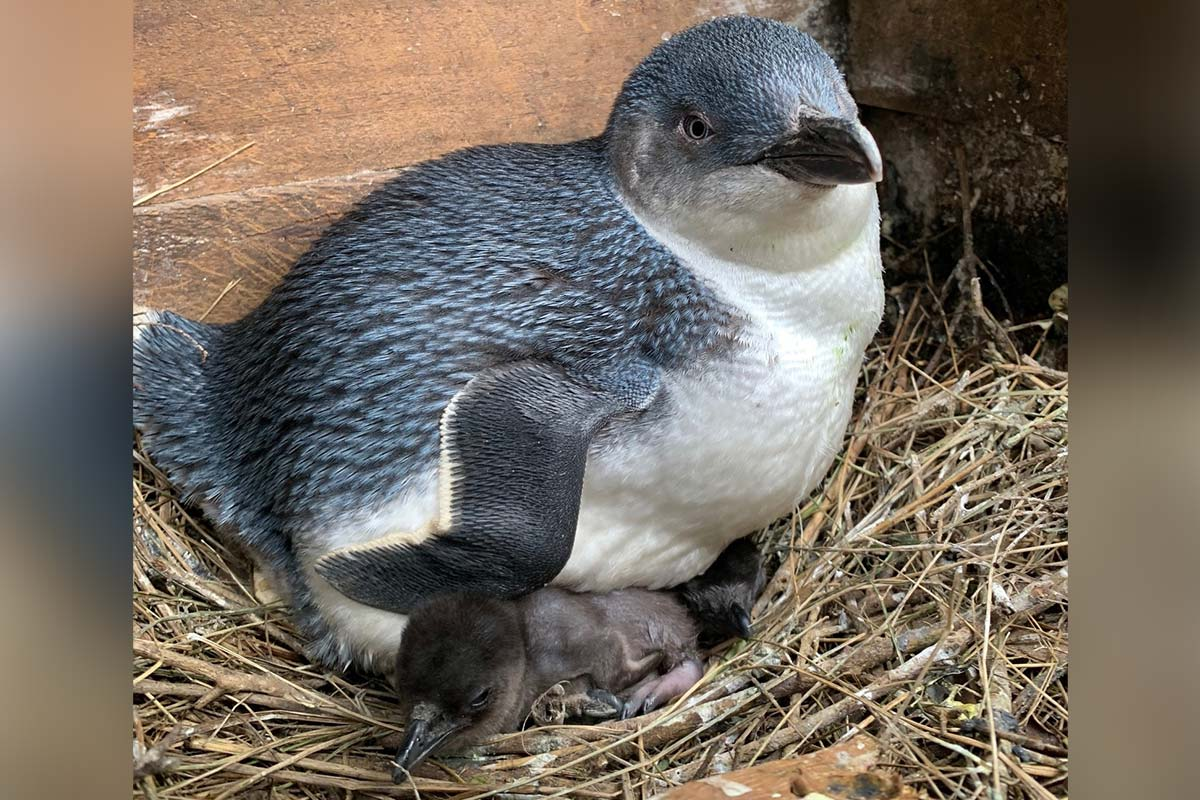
[721,599]
[470,665]
[591,365]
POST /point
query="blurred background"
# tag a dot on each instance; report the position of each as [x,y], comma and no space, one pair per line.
[985,85]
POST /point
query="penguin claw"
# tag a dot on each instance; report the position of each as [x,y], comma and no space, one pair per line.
[638,702]
[556,706]
[604,705]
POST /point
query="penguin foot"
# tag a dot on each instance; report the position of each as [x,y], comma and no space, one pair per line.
[550,708]
[562,701]
[598,704]
[655,693]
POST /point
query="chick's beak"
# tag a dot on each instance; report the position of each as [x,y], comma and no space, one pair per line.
[427,728]
[741,621]
[827,151]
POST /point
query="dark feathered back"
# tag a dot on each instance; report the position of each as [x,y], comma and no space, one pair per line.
[325,400]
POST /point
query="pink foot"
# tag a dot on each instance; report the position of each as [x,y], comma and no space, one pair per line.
[652,694]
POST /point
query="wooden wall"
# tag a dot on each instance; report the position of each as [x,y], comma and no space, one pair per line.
[336,94]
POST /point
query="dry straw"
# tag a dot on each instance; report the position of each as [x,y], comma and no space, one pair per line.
[921,595]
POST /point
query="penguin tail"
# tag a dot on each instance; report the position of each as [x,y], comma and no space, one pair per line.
[171,357]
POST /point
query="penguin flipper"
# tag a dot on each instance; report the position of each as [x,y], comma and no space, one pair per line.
[514,443]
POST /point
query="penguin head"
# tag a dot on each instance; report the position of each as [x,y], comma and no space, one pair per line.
[722,597]
[458,673]
[738,116]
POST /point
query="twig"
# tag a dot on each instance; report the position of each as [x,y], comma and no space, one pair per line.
[147,198]
[224,679]
[170,689]
[228,287]
[987,676]
[839,711]
[1023,739]
[966,271]
[1030,693]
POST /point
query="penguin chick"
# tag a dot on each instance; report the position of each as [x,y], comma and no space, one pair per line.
[470,666]
[721,599]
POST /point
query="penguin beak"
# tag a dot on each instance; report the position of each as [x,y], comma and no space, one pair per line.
[741,621]
[427,730]
[827,151]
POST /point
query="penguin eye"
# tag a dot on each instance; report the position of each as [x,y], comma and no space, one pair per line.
[481,699]
[695,127]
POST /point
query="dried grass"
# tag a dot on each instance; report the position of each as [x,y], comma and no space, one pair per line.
[924,588]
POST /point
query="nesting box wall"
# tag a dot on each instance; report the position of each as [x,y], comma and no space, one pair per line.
[989,78]
[338,96]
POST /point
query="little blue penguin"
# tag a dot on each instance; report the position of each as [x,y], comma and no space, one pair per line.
[592,364]
[470,665]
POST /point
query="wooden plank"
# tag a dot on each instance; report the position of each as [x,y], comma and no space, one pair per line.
[187,251]
[348,88]
[332,88]
[842,772]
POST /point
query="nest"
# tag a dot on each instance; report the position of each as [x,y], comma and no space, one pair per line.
[919,600]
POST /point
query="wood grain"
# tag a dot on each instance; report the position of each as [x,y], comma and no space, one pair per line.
[349,90]
[187,251]
[841,772]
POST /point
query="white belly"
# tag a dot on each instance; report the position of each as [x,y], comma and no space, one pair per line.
[746,437]
[738,452]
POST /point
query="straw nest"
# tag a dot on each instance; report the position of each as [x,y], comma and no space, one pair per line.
[920,599]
